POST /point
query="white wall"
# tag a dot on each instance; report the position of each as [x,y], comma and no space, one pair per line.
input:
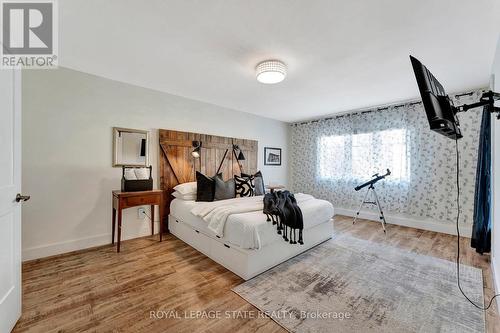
[67,152]
[495,158]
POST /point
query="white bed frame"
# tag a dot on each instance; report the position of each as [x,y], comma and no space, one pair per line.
[244,262]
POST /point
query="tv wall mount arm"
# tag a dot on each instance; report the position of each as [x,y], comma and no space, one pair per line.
[487,99]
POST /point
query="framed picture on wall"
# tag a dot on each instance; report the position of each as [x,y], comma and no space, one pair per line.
[272,156]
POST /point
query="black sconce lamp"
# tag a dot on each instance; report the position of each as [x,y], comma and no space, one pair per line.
[240,156]
[197,149]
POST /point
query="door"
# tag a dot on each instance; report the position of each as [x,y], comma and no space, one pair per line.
[10,210]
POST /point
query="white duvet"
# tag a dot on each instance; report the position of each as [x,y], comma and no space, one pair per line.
[248,230]
[216,213]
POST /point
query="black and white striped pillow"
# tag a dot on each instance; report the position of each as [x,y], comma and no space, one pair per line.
[245,186]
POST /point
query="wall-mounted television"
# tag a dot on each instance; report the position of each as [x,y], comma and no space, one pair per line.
[439,108]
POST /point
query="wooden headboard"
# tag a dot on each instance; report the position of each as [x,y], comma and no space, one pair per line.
[176,164]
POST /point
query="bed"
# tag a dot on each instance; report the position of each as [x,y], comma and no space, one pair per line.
[247,244]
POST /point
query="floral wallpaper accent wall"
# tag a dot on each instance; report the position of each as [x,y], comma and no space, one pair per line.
[330,157]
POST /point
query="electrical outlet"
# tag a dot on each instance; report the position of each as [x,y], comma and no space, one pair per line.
[141,213]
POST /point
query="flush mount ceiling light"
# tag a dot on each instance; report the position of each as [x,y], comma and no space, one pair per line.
[270,71]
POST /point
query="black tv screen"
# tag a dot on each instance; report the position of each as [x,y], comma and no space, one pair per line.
[439,108]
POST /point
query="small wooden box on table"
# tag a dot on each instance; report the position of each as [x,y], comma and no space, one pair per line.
[123,200]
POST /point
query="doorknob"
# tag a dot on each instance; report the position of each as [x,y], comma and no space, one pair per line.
[20,197]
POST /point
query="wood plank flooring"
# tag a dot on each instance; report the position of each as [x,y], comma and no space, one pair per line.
[98,290]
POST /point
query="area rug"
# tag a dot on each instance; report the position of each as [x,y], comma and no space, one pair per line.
[352,285]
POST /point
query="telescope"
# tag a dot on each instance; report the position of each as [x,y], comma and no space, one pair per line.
[375,179]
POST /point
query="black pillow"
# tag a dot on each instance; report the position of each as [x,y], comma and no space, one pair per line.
[205,187]
[260,189]
[224,189]
[244,186]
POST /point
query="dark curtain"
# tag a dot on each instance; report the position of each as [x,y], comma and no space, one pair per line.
[481,231]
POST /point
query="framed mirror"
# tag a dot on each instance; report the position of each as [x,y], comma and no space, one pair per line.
[130,147]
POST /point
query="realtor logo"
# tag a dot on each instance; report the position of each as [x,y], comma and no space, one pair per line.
[29,34]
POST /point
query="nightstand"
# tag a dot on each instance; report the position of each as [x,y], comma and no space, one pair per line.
[124,200]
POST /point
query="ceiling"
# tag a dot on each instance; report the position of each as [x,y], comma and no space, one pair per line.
[341,55]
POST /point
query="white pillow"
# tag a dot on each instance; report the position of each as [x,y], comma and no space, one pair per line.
[142,173]
[186,188]
[130,174]
[190,197]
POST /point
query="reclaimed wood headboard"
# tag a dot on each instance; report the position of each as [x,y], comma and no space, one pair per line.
[177,165]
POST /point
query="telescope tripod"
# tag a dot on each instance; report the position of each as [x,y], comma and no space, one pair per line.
[376,202]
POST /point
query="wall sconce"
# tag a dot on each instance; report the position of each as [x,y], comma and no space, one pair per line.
[197,149]
[240,156]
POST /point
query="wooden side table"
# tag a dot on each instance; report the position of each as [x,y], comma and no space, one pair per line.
[123,200]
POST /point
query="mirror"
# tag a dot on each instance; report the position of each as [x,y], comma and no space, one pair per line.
[130,147]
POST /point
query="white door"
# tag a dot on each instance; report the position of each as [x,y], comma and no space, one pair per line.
[10,209]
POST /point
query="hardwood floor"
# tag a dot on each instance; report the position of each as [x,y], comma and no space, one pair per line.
[99,290]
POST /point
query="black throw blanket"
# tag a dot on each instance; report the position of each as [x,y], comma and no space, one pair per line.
[282,209]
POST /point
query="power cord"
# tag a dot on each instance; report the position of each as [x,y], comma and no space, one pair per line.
[481,307]
[149,217]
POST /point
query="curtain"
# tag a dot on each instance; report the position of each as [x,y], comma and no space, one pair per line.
[330,157]
[481,231]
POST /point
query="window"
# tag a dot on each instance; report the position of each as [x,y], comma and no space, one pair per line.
[359,156]
[331,156]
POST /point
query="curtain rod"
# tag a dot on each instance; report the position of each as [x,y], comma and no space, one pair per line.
[352,113]
[363,111]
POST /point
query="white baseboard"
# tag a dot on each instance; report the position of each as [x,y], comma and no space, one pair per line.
[103,239]
[48,250]
[496,281]
[411,221]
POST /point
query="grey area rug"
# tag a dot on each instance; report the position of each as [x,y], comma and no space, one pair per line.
[352,285]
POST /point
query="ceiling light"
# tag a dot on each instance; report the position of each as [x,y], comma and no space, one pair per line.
[270,71]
